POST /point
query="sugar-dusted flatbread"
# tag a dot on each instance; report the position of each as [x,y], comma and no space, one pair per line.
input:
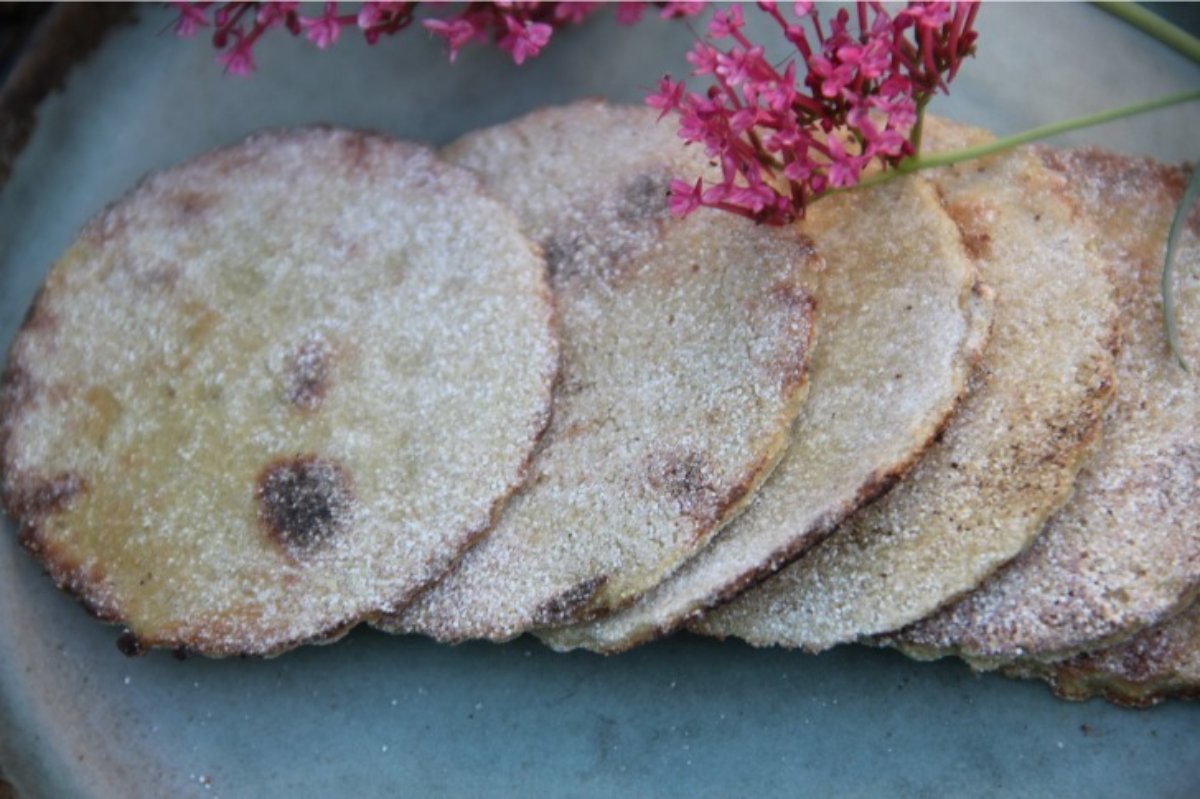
[686,345]
[1125,552]
[1158,663]
[1009,456]
[276,390]
[902,321]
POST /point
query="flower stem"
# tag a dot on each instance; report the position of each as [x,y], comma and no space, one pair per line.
[1053,129]
[1147,21]
[1169,322]
[917,163]
[922,101]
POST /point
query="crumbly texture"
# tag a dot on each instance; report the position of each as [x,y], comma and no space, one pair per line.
[902,321]
[1009,456]
[1125,552]
[276,390]
[686,345]
[1161,662]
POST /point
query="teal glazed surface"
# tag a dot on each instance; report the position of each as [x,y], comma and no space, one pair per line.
[381,716]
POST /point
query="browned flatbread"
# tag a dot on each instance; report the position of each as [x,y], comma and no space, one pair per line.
[1009,456]
[276,390]
[686,345]
[1162,662]
[902,321]
[1124,554]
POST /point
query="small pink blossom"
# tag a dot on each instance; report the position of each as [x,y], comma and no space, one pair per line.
[703,58]
[726,23]
[274,14]
[524,39]
[323,31]
[457,32]
[781,93]
[191,19]
[833,78]
[377,18]
[844,168]
[573,13]
[927,15]
[667,98]
[799,170]
[732,67]
[714,196]
[371,14]
[684,198]
[681,9]
[756,196]
[238,59]
[742,120]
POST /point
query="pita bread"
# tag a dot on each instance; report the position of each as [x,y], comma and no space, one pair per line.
[685,353]
[1124,554]
[902,320]
[1009,456]
[275,390]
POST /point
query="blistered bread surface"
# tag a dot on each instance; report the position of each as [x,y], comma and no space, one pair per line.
[276,390]
[902,320]
[1125,551]
[686,345]
[1008,457]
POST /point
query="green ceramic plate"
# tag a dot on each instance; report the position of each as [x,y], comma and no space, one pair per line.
[380,716]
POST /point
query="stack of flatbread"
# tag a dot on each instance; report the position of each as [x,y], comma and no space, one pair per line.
[1079,567]
[320,378]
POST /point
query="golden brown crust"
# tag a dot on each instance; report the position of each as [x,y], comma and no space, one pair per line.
[1159,663]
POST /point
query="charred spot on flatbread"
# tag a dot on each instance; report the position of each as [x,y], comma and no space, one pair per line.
[304,503]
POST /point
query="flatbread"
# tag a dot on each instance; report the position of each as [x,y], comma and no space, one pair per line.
[1161,662]
[275,390]
[1125,552]
[1010,454]
[902,321]
[685,353]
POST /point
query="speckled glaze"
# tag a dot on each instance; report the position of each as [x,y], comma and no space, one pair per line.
[374,715]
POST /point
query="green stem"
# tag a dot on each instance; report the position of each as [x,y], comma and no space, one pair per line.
[1183,42]
[1054,129]
[920,124]
[917,163]
[1151,23]
[1168,295]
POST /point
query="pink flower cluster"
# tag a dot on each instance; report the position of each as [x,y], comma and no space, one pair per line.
[520,29]
[781,141]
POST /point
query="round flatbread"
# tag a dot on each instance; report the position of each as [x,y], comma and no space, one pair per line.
[1161,662]
[1124,553]
[275,390]
[1009,456]
[685,353]
[902,321]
